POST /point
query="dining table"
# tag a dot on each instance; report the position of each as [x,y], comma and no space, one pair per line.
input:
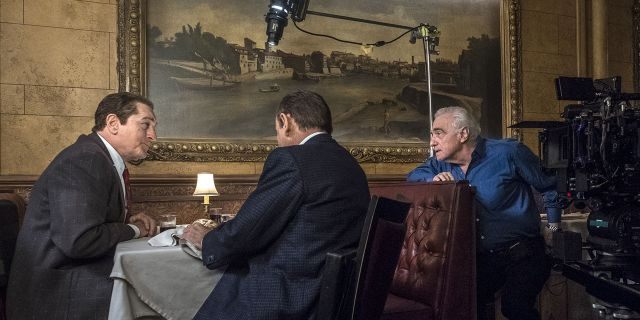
[158,282]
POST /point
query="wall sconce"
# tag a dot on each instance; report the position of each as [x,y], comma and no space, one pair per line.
[205,187]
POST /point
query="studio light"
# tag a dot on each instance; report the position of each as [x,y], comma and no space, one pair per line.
[277,17]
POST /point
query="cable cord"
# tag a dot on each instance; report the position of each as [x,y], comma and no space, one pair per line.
[377,43]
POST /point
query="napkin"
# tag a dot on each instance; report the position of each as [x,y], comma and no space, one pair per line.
[167,238]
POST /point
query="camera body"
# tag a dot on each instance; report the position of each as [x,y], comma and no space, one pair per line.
[595,153]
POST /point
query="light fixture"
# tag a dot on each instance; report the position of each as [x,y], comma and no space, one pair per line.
[277,17]
[205,187]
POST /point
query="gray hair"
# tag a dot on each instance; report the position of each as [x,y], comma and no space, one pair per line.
[461,119]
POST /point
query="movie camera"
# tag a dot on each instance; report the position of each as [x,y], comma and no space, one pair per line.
[595,153]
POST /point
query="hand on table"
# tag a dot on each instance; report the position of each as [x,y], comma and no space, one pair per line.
[146,224]
[194,233]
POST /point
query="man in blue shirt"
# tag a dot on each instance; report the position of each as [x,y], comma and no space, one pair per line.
[511,252]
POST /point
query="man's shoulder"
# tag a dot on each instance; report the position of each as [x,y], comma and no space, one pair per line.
[85,146]
[84,142]
[315,144]
[322,148]
[83,155]
[503,145]
[507,149]
[318,153]
[280,152]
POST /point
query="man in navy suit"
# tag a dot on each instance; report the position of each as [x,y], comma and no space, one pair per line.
[76,216]
[311,198]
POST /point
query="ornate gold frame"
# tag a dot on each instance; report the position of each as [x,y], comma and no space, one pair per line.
[511,67]
[131,76]
[636,45]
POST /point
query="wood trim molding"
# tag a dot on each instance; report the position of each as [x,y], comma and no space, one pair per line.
[165,179]
[160,194]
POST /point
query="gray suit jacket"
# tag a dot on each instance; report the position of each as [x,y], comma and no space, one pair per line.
[64,252]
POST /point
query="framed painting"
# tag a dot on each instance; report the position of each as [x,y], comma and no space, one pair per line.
[216,85]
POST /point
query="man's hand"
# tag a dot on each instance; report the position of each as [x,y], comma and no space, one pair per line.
[443,176]
[194,233]
[146,224]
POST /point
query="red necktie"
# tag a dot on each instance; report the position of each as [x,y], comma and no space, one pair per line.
[127,188]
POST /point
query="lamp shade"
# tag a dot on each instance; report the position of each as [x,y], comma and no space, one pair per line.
[205,185]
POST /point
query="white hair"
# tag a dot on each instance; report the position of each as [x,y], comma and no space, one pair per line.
[461,119]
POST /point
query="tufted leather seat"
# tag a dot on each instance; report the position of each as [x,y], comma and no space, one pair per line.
[435,276]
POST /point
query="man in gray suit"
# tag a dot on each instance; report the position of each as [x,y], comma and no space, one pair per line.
[77,214]
[311,199]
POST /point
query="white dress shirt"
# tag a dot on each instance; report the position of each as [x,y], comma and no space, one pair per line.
[311,136]
[118,163]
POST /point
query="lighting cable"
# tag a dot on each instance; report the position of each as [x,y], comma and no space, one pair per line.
[377,43]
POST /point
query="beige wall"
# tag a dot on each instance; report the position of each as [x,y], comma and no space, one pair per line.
[57,60]
[553,46]
[548,50]
[620,41]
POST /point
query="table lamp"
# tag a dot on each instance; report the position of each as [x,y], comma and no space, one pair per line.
[205,187]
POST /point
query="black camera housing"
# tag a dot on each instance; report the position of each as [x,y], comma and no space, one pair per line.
[595,153]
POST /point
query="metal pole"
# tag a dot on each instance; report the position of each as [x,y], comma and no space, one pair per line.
[427,73]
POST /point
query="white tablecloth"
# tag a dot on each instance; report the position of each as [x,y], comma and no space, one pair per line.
[158,281]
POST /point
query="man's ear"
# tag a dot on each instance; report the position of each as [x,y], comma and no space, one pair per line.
[288,124]
[282,120]
[464,135]
[113,123]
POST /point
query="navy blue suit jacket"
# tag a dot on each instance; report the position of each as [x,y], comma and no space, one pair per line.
[310,199]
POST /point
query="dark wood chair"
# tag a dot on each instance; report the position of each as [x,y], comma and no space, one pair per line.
[12,208]
[356,282]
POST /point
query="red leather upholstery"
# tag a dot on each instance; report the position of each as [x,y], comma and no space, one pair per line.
[435,276]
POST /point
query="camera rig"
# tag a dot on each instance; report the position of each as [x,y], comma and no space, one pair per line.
[595,153]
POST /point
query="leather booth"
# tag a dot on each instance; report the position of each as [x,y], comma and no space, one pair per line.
[435,275]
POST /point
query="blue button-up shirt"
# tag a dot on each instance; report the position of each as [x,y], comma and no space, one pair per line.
[502,171]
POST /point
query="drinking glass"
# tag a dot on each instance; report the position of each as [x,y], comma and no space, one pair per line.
[167,221]
[215,214]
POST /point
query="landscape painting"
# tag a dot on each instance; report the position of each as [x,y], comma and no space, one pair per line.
[211,76]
